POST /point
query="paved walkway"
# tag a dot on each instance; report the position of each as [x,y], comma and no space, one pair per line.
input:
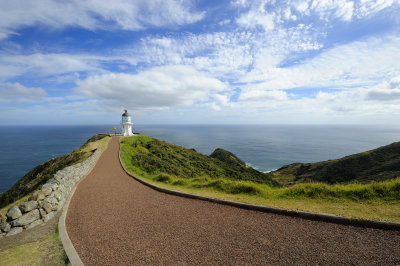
[115,220]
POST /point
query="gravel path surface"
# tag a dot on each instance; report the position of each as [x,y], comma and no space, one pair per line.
[115,220]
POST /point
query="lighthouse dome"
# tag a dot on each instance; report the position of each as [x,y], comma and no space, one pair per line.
[126,113]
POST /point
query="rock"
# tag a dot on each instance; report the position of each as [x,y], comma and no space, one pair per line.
[14,213]
[47,207]
[42,213]
[51,186]
[37,196]
[49,216]
[3,218]
[57,195]
[5,227]
[33,196]
[46,191]
[52,201]
[35,223]
[14,231]
[28,206]
[41,196]
[26,218]
[54,180]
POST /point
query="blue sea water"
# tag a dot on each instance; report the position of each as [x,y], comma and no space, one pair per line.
[24,147]
[264,147]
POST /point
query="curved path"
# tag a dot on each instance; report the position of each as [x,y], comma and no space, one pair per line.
[114,220]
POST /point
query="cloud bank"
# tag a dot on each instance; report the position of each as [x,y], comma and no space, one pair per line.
[93,15]
[155,88]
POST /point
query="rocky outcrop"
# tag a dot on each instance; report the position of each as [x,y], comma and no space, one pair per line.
[43,205]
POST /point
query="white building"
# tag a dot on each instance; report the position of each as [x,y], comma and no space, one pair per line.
[126,124]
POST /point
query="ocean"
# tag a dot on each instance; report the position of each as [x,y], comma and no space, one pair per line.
[264,147]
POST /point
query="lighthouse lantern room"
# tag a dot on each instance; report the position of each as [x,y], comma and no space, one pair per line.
[126,124]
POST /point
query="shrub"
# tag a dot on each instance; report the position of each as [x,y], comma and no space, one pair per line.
[163,178]
[239,188]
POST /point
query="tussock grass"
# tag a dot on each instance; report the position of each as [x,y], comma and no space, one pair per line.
[376,201]
[387,190]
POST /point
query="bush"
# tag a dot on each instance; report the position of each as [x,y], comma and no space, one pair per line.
[244,189]
[163,178]
[179,182]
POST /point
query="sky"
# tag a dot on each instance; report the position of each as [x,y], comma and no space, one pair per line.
[82,62]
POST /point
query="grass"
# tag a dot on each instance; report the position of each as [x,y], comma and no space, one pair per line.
[41,173]
[380,164]
[47,250]
[151,156]
[374,201]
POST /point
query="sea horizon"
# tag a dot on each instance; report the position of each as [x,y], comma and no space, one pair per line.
[263,147]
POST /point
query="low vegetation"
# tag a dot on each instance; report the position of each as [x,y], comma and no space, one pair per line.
[152,157]
[41,173]
[223,175]
[376,165]
[47,250]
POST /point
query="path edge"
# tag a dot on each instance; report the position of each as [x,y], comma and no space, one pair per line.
[330,218]
[69,248]
[62,229]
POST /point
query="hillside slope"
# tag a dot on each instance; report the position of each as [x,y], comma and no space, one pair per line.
[152,157]
[379,164]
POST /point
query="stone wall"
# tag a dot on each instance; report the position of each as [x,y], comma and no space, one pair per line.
[46,202]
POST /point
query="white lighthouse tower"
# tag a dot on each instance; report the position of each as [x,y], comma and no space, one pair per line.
[126,124]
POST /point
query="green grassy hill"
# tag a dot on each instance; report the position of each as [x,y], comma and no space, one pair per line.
[158,158]
[379,164]
[223,175]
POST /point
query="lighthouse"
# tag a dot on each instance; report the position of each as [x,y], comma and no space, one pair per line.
[126,123]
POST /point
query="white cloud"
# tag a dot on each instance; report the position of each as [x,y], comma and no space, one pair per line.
[224,22]
[155,88]
[370,7]
[219,101]
[270,14]
[257,17]
[92,15]
[227,55]
[370,104]
[18,93]
[341,9]
[385,92]
[42,65]
[302,6]
[348,65]
[260,95]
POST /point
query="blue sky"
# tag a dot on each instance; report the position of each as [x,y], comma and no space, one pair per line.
[200,62]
